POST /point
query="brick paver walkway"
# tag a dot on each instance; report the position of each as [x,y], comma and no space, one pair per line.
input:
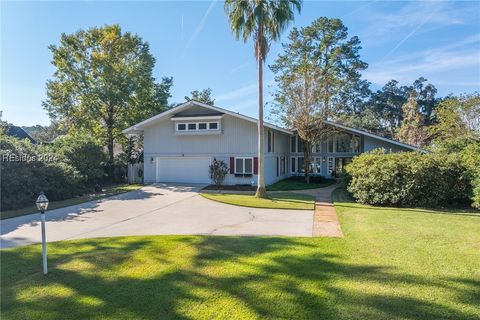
[325,219]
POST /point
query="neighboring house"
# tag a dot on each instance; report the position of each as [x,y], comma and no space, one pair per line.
[180,143]
[19,133]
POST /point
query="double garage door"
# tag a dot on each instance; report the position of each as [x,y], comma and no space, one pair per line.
[183,169]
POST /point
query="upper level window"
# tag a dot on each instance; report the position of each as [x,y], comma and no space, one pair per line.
[330,144]
[299,144]
[317,147]
[293,144]
[343,142]
[347,142]
[243,165]
[198,126]
[270,141]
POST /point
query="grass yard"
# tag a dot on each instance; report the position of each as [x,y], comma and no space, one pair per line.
[106,192]
[298,183]
[277,200]
[391,264]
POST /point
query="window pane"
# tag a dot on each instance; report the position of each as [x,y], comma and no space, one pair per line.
[202,126]
[330,144]
[192,126]
[343,143]
[317,165]
[181,126]
[269,141]
[213,125]
[239,165]
[300,145]
[282,165]
[300,165]
[293,166]
[293,144]
[355,144]
[248,165]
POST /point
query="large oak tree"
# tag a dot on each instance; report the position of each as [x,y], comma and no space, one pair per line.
[103,83]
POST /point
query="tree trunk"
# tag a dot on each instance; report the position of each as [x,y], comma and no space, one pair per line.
[110,143]
[261,190]
[307,160]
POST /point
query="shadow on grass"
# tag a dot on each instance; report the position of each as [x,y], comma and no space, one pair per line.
[223,277]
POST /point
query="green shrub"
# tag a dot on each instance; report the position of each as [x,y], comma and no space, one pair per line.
[83,153]
[35,170]
[471,160]
[218,171]
[409,179]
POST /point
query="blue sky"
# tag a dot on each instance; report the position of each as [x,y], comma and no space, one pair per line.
[192,42]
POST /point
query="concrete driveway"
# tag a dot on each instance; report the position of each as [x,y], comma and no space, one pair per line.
[157,209]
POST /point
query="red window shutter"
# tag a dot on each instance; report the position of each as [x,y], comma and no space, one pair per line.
[255,165]
[232,165]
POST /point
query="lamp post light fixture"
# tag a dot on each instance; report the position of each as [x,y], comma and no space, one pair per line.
[42,205]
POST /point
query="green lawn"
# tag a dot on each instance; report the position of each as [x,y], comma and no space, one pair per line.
[298,183]
[106,192]
[391,264]
[276,200]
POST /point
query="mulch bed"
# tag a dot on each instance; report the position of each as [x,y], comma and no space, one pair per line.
[238,187]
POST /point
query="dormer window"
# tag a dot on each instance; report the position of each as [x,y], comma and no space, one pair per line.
[202,126]
[213,125]
[192,126]
[181,127]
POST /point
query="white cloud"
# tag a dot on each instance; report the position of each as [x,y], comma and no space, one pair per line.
[427,15]
[199,27]
[245,91]
[433,64]
[239,67]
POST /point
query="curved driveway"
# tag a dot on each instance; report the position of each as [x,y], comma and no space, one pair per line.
[156,209]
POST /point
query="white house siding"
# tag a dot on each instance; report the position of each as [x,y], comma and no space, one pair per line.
[238,139]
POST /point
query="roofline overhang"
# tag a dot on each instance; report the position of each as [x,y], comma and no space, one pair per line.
[139,127]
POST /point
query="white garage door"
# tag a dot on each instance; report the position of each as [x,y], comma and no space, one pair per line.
[183,169]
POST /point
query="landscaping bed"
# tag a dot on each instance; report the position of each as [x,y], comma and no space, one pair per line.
[298,183]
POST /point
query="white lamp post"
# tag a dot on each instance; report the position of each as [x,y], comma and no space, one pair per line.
[42,204]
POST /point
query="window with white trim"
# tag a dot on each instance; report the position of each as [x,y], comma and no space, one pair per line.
[198,126]
[293,144]
[297,165]
[317,165]
[282,165]
[243,165]
[270,141]
[331,165]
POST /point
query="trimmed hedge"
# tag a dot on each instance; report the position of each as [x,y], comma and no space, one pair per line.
[410,179]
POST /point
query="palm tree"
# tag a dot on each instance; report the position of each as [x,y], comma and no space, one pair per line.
[263,21]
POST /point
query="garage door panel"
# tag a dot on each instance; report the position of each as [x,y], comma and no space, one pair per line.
[183,169]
